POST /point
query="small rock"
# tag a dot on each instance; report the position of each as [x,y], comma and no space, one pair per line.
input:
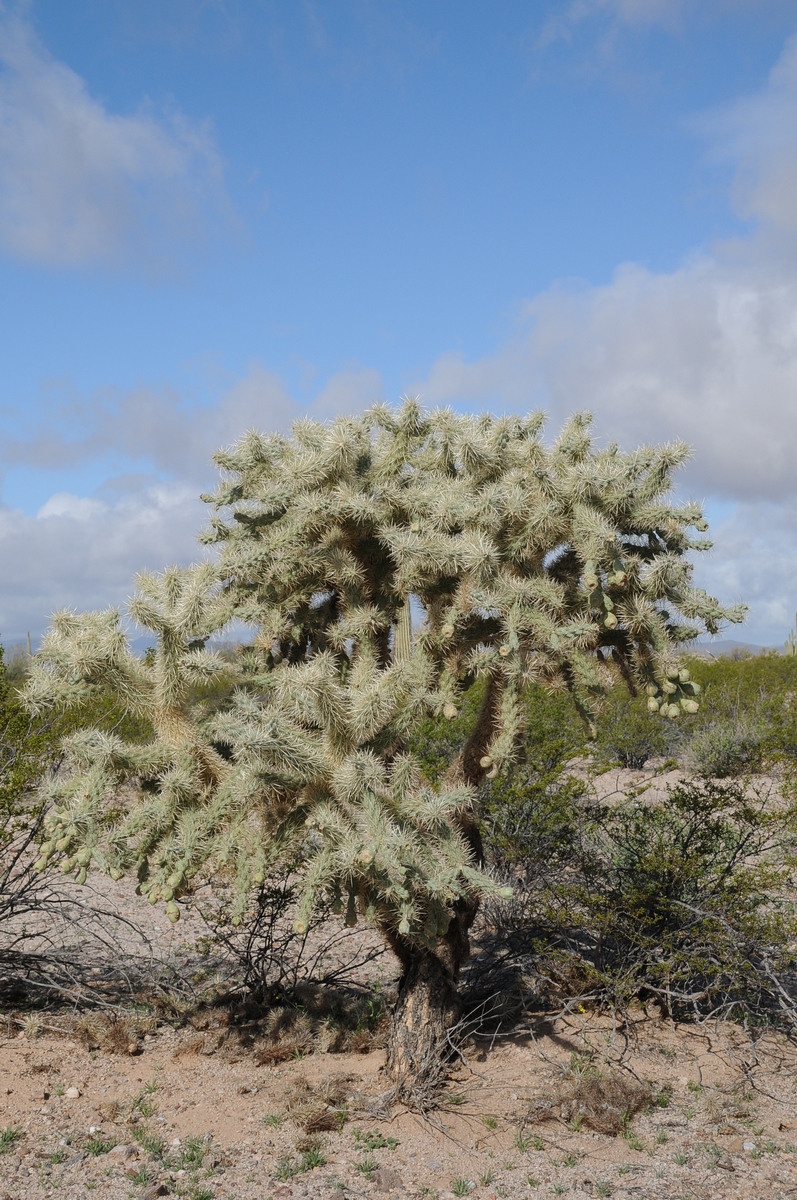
[748,1145]
[433,1164]
[133,1048]
[45,1112]
[156,1189]
[122,1153]
[176,1142]
[72,1093]
[386,1180]
[282,1190]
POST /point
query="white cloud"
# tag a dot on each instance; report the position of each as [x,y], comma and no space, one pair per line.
[706,352]
[82,552]
[79,553]
[82,186]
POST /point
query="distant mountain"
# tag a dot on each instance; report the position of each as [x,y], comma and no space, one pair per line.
[725,647]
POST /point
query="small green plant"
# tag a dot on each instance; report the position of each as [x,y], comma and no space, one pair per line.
[153,1143]
[694,1086]
[97,1145]
[603,1189]
[311,1158]
[58,1156]
[559,1189]
[570,1160]
[624,1169]
[200,1193]
[532,1182]
[373,1140]
[661,1137]
[633,1140]
[142,1176]
[486,1178]
[192,1151]
[9,1136]
[490,1122]
[366,1166]
[287,1168]
[523,1141]
[456,1099]
[680,1159]
[274,1119]
[460,1187]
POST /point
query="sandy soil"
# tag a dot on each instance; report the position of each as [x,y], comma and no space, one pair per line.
[175,1120]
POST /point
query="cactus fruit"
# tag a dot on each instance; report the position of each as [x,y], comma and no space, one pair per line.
[669,688]
[590,582]
[450,710]
[673,711]
[81,876]
[503,651]
[40,865]
[651,690]
[684,676]
[67,865]
[653,705]
[690,706]
[610,621]
[485,761]
[448,630]
[404,927]
[173,912]
[701,525]
[673,674]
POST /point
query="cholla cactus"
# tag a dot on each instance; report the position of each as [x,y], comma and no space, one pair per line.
[514,560]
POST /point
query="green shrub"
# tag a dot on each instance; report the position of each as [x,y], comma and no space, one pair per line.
[626,733]
[686,900]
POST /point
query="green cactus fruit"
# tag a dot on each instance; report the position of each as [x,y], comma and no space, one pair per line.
[168,893]
[620,578]
[493,772]
[485,761]
[448,630]
[450,710]
[610,621]
[63,844]
[652,690]
[653,705]
[669,688]
[257,878]
[173,912]
[415,527]
[690,706]
[608,603]
[683,675]
[701,525]
[237,921]
[46,849]
[506,893]
[40,865]
[404,927]
[154,896]
[503,651]
[695,688]
[673,711]
[83,857]
[673,674]
[590,582]
[81,876]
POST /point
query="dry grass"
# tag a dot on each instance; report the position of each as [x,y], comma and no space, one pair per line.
[321,1107]
[587,1096]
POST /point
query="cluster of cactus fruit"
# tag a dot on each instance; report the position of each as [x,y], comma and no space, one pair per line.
[600,593]
[675,695]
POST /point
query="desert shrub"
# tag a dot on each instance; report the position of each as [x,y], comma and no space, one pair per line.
[626,733]
[726,746]
[686,899]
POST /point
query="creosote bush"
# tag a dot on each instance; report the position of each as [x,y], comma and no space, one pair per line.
[686,900]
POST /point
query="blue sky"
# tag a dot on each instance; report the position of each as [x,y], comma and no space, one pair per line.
[216,214]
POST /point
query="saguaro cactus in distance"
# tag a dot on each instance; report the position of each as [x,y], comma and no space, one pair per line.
[514,561]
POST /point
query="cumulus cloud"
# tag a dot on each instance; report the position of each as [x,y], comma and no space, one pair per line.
[81,553]
[706,352]
[82,186]
[160,430]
